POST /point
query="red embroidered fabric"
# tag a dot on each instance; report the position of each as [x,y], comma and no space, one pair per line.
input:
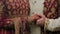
[14,8]
[59,8]
[50,8]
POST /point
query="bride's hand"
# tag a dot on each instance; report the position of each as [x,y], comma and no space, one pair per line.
[34,17]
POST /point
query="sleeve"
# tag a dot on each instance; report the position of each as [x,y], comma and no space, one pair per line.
[52,25]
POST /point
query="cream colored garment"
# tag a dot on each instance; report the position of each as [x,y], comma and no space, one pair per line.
[52,24]
[36,7]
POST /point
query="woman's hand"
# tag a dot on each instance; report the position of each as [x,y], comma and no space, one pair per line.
[35,17]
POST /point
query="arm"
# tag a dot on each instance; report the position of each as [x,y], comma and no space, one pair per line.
[52,24]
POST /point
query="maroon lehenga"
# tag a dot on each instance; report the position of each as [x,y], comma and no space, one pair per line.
[59,8]
[11,9]
[50,9]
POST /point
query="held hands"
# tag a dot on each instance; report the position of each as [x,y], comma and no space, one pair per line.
[40,19]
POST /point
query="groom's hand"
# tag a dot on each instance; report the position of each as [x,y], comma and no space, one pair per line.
[41,20]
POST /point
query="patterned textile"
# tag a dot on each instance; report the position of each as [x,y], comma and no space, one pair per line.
[11,9]
[50,8]
[14,8]
[59,8]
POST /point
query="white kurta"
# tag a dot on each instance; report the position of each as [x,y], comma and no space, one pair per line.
[52,24]
[36,7]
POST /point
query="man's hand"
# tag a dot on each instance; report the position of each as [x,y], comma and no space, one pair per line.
[41,20]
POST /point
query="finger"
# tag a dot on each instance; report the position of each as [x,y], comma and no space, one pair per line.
[41,20]
[40,15]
